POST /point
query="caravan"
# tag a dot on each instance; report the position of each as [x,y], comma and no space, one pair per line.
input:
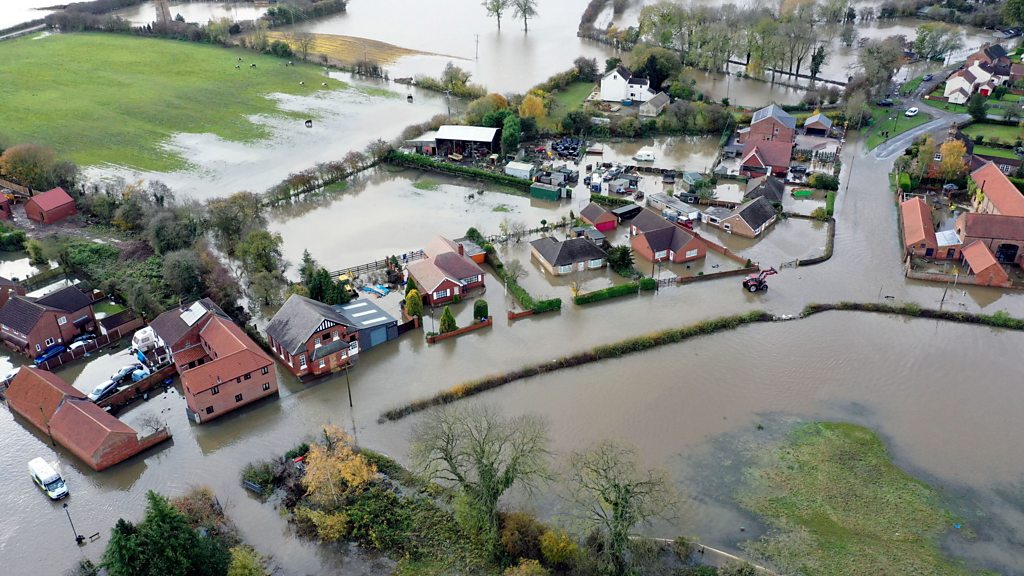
[644,155]
[47,479]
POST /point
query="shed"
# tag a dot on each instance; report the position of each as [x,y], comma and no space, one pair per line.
[691,180]
[627,212]
[50,207]
[654,106]
[522,170]
[472,141]
[374,325]
[982,264]
[818,125]
[425,144]
[545,192]
[598,217]
[674,206]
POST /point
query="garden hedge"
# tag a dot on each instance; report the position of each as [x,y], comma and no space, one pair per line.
[425,162]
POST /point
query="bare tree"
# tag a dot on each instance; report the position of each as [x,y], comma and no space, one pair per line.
[514,270]
[496,8]
[525,9]
[518,229]
[612,495]
[484,454]
[304,42]
[151,423]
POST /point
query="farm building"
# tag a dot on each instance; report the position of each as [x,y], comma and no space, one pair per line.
[918,228]
[818,125]
[468,141]
[598,217]
[425,144]
[983,267]
[993,192]
[50,207]
[559,257]
[522,170]
[655,106]
[1004,235]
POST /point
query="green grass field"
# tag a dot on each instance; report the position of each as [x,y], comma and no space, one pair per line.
[574,95]
[994,151]
[106,98]
[839,506]
[989,131]
[898,125]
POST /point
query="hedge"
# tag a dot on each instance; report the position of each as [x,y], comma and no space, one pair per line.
[609,200]
[1000,319]
[526,301]
[830,203]
[607,293]
[424,162]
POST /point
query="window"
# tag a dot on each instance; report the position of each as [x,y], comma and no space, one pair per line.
[38,348]
[316,341]
[49,341]
[248,376]
[215,390]
[691,253]
[62,320]
[302,361]
[323,362]
[265,370]
[238,380]
[266,386]
[661,254]
[335,334]
[597,263]
[727,227]
[565,269]
[441,294]
[937,157]
[238,397]
[209,409]
[326,336]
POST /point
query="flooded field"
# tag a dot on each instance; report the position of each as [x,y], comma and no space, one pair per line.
[201,12]
[18,11]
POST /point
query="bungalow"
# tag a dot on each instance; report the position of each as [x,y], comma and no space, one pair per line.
[750,219]
[983,267]
[1003,235]
[50,207]
[657,240]
[918,228]
[767,187]
[619,85]
[598,217]
[445,273]
[993,192]
[818,125]
[236,372]
[672,207]
[761,158]
[655,106]
[769,123]
[30,325]
[69,418]
[9,288]
[559,257]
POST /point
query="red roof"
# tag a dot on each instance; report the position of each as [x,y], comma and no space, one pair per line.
[52,199]
[980,258]
[995,226]
[234,354]
[35,394]
[999,190]
[917,222]
[86,429]
[774,153]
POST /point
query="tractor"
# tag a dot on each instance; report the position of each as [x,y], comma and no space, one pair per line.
[759,281]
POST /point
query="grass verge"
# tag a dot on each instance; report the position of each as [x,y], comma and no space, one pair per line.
[110,98]
[838,505]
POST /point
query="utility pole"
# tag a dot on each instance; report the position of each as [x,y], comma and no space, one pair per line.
[79,539]
[348,384]
[477,46]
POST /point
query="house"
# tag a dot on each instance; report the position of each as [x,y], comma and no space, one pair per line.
[982,265]
[672,207]
[472,250]
[50,207]
[760,158]
[750,219]
[993,56]
[236,372]
[979,75]
[976,160]
[598,217]
[769,123]
[445,273]
[470,141]
[818,124]
[1003,235]
[30,325]
[619,85]
[993,192]
[767,187]
[69,418]
[918,228]
[657,240]
[9,288]
[559,257]
[178,330]
[312,338]
[655,106]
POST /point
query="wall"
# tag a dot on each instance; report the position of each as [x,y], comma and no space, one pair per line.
[461,331]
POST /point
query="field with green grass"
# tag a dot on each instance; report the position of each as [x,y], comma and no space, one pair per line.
[990,131]
[108,98]
[898,125]
[573,96]
[994,151]
[837,505]
[911,85]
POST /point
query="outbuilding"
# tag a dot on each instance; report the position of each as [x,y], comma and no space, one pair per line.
[50,207]
[547,192]
[598,217]
[468,141]
[818,125]
[654,106]
[983,267]
[522,170]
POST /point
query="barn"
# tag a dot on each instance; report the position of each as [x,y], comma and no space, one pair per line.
[467,141]
[50,207]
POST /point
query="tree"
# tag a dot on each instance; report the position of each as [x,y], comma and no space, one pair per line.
[30,165]
[447,322]
[620,258]
[977,108]
[952,166]
[266,287]
[818,60]
[230,218]
[936,39]
[532,106]
[925,156]
[526,568]
[496,8]
[525,9]
[246,562]
[184,274]
[480,309]
[880,59]
[304,42]
[168,231]
[410,285]
[308,267]
[334,469]
[612,495]
[1013,10]
[414,304]
[586,68]
[510,134]
[514,270]
[260,251]
[483,454]
[320,285]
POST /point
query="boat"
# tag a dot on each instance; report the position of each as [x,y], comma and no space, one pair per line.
[644,155]
[379,290]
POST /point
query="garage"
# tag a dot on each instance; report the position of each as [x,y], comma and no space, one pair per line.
[373,324]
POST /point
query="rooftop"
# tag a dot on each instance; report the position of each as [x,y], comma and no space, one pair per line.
[51,199]
[298,318]
[466,133]
[774,111]
[999,190]
[917,222]
[565,252]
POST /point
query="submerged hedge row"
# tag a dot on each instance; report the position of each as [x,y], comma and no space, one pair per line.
[526,301]
[615,350]
[1001,319]
[615,291]
[425,162]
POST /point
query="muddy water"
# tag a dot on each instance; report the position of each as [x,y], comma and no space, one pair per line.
[201,12]
[18,11]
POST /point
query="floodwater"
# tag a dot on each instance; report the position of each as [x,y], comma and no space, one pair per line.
[201,12]
[18,11]
[343,121]
[16,265]
[684,153]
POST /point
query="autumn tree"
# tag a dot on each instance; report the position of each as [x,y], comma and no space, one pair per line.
[612,495]
[36,167]
[514,270]
[334,469]
[524,9]
[246,562]
[483,454]
[532,106]
[414,304]
[952,166]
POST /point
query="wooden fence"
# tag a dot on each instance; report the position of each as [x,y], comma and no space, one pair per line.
[102,340]
[354,271]
[124,397]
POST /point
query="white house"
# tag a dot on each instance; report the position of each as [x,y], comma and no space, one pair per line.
[619,84]
[978,77]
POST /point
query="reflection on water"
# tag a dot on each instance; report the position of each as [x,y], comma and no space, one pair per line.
[198,11]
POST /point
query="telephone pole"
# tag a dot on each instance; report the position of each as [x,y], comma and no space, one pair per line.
[477,46]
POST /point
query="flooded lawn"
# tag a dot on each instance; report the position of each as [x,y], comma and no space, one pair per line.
[18,11]
[802,204]
[682,153]
[16,266]
[788,239]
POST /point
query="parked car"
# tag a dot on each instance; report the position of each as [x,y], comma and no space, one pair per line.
[9,377]
[911,112]
[125,372]
[49,354]
[798,168]
[81,341]
[928,78]
[102,390]
[47,478]
[885,102]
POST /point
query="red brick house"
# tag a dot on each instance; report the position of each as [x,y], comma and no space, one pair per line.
[760,158]
[67,416]
[982,266]
[178,330]
[445,273]
[235,372]
[598,217]
[769,123]
[1003,235]
[658,240]
[30,325]
[312,338]
[751,219]
[9,288]
[918,228]
[994,193]
[50,207]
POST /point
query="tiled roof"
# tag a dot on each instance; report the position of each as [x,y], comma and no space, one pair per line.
[768,187]
[660,99]
[566,252]
[999,190]
[440,245]
[673,239]
[21,314]
[52,199]
[444,260]
[756,213]
[918,226]
[774,153]
[83,428]
[993,226]
[774,111]
[647,221]
[979,257]
[296,321]
[171,325]
[36,394]
[595,213]
[234,354]
[68,299]
[818,118]
[457,266]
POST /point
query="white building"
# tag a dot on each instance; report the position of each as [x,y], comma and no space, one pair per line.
[978,77]
[619,84]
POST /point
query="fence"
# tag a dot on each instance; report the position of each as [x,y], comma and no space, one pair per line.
[91,346]
[124,397]
[42,279]
[716,275]
[378,264]
[455,333]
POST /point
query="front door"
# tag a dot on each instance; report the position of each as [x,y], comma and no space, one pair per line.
[928,253]
[581,266]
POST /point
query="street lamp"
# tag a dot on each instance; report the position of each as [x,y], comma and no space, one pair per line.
[79,539]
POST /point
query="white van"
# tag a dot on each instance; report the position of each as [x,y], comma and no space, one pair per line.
[47,478]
